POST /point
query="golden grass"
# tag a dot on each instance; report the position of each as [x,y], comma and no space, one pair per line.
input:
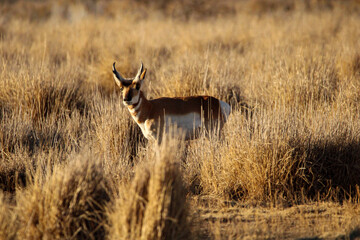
[73,164]
[8,226]
[69,203]
[153,205]
[310,221]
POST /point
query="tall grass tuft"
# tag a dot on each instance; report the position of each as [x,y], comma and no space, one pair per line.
[8,226]
[153,205]
[68,202]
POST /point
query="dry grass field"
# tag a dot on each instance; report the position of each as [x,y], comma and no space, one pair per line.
[74,165]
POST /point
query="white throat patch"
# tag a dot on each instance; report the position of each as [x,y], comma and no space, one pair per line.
[133,101]
[133,110]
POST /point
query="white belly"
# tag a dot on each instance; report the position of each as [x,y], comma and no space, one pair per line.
[188,123]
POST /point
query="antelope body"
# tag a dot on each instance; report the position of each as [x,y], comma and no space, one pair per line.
[156,116]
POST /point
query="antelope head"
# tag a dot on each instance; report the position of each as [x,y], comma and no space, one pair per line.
[130,87]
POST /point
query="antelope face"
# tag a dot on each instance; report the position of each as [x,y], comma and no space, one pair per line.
[130,92]
[130,87]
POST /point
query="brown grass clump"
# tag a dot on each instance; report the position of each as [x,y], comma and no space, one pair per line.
[69,203]
[8,226]
[302,221]
[12,175]
[113,141]
[153,205]
[258,162]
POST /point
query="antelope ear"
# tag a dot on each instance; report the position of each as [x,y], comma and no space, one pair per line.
[117,81]
[142,76]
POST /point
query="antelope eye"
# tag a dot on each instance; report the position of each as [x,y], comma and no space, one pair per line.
[121,89]
[137,86]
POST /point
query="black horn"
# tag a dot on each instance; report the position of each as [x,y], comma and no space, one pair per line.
[116,73]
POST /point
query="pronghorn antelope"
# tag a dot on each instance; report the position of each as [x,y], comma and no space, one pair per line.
[155,116]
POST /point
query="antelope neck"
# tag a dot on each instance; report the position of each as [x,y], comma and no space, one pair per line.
[139,110]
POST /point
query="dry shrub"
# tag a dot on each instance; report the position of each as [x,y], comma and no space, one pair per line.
[356,65]
[32,11]
[276,159]
[153,205]
[198,9]
[257,173]
[42,94]
[268,6]
[321,220]
[12,174]
[8,226]
[316,82]
[56,100]
[330,167]
[69,203]
[16,142]
[21,133]
[265,6]
[115,137]
[16,134]
[180,10]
